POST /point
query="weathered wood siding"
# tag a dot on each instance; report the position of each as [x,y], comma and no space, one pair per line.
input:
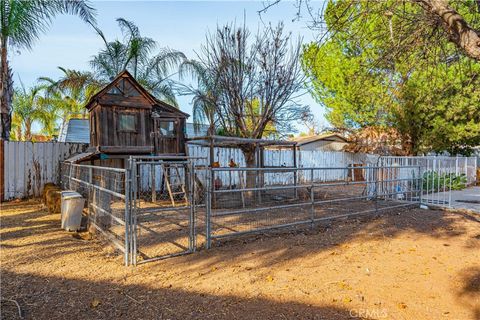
[107,136]
[170,145]
[28,165]
[107,133]
[125,96]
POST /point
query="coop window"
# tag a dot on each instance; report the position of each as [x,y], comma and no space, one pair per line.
[167,128]
[126,122]
[114,90]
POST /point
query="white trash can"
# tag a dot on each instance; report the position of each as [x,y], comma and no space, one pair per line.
[72,208]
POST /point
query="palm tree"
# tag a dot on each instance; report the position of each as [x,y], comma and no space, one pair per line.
[136,54]
[28,109]
[68,95]
[205,95]
[22,22]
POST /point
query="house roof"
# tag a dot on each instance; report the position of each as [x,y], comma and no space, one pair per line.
[153,100]
[324,137]
[75,130]
[193,130]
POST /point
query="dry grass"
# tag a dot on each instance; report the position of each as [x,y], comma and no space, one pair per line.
[411,264]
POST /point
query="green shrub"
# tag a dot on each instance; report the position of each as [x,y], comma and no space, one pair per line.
[432,181]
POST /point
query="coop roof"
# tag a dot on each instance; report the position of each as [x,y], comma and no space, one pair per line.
[84,156]
[323,137]
[141,90]
[232,142]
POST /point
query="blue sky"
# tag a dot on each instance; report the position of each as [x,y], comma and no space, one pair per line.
[180,25]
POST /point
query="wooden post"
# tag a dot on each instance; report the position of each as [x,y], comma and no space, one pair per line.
[295,171]
[258,183]
[2,168]
[153,174]
[262,165]
[212,176]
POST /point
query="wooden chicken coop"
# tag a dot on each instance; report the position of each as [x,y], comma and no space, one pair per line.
[125,119]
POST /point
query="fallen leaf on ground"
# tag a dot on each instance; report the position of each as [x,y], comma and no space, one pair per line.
[95,303]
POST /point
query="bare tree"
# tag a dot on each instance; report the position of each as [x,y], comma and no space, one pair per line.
[255,85]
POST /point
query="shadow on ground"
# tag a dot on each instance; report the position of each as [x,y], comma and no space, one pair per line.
[40,230]
[332,234]
[30,235]
[470,293]
[75,299]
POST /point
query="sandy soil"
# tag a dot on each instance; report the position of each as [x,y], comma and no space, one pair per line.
[411,264]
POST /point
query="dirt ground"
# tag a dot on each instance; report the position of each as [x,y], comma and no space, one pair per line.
[407,264]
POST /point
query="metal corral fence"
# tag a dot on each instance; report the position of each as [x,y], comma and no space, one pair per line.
[258,200]
[146,210]
[161,207]
[108,207]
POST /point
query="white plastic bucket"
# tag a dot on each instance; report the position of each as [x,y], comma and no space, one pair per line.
[71,210]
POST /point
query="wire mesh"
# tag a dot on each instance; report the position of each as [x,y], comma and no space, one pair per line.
[158,208]
[104,191]
[163,203]
[245,200]
[440,175]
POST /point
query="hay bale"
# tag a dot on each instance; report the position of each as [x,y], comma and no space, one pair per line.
[46,187]
[53,200]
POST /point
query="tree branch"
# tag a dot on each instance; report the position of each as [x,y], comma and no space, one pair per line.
[459,31]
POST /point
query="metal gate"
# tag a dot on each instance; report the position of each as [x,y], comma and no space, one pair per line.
[162,208]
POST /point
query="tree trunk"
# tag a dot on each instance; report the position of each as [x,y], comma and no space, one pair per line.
[249,154]
[18,133]
[460,33]
[251,176]
[28,130]
[6,94]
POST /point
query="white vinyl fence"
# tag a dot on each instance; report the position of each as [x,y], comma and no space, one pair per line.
[29,165]
[279,158]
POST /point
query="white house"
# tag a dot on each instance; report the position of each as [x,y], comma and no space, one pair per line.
[324,142]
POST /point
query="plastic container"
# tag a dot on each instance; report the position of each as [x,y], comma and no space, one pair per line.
[72,208]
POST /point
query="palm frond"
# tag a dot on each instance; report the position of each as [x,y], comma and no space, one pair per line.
[23,22]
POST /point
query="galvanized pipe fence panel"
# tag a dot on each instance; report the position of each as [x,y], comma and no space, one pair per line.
[163,206]
[106,191]
[28,165]
[440,175]
[148,216]
[258,205]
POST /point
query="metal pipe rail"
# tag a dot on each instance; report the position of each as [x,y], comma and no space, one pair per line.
[97,167]
[310,168]
[113,193]
[260,230]
[301,204]
[309,185]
